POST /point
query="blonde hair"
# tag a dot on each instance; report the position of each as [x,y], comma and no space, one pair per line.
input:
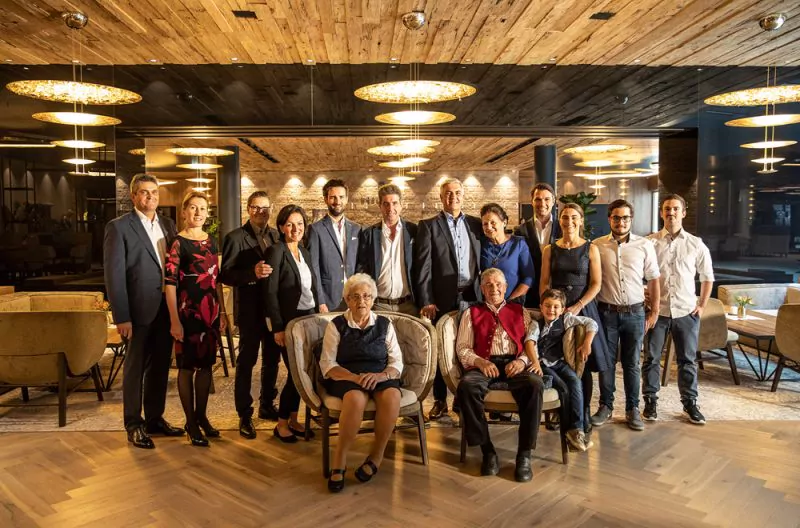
[190,196]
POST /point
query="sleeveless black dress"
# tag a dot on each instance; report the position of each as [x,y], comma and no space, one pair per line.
[569,272]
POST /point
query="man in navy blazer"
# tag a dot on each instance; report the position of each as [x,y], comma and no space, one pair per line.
[333,245]
[385,253]
[447,266]
[134,253]
[539,231]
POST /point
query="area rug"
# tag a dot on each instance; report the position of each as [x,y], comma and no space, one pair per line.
[719,399]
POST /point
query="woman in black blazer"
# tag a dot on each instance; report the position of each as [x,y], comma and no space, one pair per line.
[289,293]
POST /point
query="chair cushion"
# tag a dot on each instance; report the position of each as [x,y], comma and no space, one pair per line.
[335,404]
[732,336]
[503,397]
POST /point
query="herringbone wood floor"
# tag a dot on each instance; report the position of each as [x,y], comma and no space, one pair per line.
[673,474]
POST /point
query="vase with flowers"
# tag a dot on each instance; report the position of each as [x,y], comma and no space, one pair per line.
[743,302]
[105,306]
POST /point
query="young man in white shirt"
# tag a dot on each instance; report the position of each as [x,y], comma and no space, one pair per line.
[627,261]
[681,257]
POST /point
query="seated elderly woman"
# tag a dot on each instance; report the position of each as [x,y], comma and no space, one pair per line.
[361,359]
[493,338]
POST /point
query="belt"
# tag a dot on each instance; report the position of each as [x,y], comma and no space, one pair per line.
[621,308]
[394,302]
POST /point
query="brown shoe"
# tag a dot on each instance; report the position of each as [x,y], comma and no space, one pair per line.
[439,410]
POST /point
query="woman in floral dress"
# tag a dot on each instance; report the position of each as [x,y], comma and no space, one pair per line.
[193,299]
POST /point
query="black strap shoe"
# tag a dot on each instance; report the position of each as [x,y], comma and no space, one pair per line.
[490,465]
[268,413]
[138,437]
[246,428]
[208,429]
[335,486]
[523,471]
[196,436]
[291,439]
[162,427]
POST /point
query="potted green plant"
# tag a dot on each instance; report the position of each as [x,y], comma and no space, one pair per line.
[583,200]
[743,302]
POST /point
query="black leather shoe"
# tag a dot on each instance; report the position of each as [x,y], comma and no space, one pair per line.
[523,471]
[208,429]
[302,434]
[335,486]
[246,428]
[268,413]
[196,437]
[490,465]
[162,427]
[438,410]
[291,439]
[138,437]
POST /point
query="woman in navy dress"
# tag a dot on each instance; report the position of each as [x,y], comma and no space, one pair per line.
[193,294]
[572,265]
[509,254]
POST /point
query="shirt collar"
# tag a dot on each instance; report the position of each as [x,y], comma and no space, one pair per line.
[143,217]
[540,225]
[451,218]
[335,222]
[385,228]
[348,316]
[496,310]
[671,237]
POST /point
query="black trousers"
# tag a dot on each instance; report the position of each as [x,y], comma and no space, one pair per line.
[526,389]
[146,370]
[253,334]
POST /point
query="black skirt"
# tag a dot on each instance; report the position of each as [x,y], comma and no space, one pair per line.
[338,388]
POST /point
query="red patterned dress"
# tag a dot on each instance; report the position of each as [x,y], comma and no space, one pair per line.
[192,267]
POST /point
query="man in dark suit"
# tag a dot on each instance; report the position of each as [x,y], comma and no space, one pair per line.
[447,267]
[244,268]
[539,231]
[333,244]
[134,254]
[385,253]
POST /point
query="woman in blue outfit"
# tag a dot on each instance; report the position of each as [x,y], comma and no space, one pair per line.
[509,254]
[572,265]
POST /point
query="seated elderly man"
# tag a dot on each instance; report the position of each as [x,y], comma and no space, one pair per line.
[492,340]
[361,359]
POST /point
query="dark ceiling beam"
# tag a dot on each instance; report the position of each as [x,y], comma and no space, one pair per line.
[394,131]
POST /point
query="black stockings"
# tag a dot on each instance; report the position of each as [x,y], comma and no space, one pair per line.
[194,387]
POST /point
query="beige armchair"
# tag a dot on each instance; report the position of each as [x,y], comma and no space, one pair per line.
[787,336]
[714,334]
[495,400]
[418,342]
[47,337]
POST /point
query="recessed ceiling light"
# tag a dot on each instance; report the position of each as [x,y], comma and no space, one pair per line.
[234,59]
[552,59]
[394,59]
[9,60]
[637,61]
[467,60]
[310,61]
[75,61]
[25,68]
[699,69]
[152,61]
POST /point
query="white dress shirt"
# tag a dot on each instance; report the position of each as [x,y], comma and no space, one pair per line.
[502,344]
[306,301]
[330,345]
[624,266]
[392,282]
[543,231]
[340,228]
[680,259]
[157,238]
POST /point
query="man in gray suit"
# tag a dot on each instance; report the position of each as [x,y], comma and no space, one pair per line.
[333,244]
[134,254]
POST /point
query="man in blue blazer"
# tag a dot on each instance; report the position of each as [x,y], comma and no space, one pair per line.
[134,253]
[333,245]
[539,231]
[385,253]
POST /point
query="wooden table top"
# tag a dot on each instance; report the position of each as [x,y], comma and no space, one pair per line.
[760,328]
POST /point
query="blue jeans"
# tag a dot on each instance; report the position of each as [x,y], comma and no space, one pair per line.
[570,390]
[685,333]
[627,330]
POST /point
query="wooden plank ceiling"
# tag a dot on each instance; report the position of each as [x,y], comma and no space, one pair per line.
[516,32]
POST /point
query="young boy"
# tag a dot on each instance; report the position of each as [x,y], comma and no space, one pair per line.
[548,357]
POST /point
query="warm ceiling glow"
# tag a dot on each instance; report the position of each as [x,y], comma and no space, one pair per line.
[768,95]
[76,118]
[768,144]
[416,160]
[413,92]
[74,92]
[77,143]
[26,145]
[417,171]
[200,180]
[765,120]
[590,176]
[201,189]
[595,163]
[401,179]
[199,151]
[199,166]
[78,161]
[597,186]
[138,152]
[416,143]
[167,182]
[394,150]
[767,160]
[415,117]
[402,164]
[596,149]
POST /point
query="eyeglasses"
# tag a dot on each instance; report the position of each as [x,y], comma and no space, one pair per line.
[259,210]
[618,219]
[361,297]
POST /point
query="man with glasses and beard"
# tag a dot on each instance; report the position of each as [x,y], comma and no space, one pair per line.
[627,261]
[243,268]
[333,244]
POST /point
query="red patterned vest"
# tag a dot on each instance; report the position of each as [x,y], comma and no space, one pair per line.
[484,325]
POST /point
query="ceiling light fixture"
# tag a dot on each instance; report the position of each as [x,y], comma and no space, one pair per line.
[199,166]
[73,92]
[394,150]
[765,120]
[200,180]
[199,151]
[768,144]
[166,182]
[26,145]
[201,189]
[78,161]
[769,95]
[414,92]
[415,117]
[76,118]
[596,149]
[77,143]
[404,163]
[595,163]
[138,152]
[416,143]
[768,160]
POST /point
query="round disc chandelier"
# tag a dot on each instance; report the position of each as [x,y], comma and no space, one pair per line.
[768,144]
[416,143]
[596,149]
[595,163]
[138,152]
[200,180]
[765,120]
[415,117]
[768,160]
[74,92]
[76,118]
[394,150]
[414,92]
[77,143]
[766,95]
[199,166]
[78,161]
[404,163]
[167,182]
[199,151]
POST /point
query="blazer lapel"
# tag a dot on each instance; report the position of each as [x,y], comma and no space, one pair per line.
[377,248]
[328,223]
[408,252]
[442,221]
[138,228]
[293,263]
[351,246]
[250,239]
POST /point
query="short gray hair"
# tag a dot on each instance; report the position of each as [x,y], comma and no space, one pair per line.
[493,271]
[449,181]
[360,279]
[142,178]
